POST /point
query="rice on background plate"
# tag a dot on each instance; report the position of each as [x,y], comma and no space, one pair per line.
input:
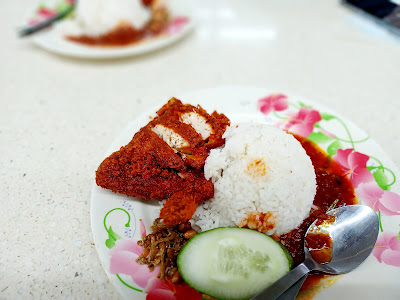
[98,17]
[263,179]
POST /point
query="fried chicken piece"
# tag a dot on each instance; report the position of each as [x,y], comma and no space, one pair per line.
[219,123]
[185,140]
[146,168]
[182,205]
[165,160]
[209,127]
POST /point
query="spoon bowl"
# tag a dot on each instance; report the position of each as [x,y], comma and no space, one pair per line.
[354,232]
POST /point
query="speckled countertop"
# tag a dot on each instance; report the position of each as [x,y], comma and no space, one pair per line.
[58,115]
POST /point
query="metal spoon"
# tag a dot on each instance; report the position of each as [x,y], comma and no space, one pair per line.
[354,233]
[28,30]
[292,292]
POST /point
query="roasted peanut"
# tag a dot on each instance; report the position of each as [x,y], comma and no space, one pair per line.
[189,234]
[176,278]
[185,226]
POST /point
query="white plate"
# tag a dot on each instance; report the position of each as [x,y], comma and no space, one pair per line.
[372,280]
[51,40]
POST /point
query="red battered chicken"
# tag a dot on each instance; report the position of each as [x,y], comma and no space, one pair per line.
[165,160]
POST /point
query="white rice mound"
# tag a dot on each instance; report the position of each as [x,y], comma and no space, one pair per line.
[97,17]
[261,169]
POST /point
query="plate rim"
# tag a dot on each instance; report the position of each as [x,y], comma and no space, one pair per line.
[182,96]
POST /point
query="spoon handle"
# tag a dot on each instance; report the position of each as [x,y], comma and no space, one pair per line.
[292,292]
[32,29]
[276,289]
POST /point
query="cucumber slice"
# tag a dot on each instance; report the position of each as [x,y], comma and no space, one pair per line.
[232,263]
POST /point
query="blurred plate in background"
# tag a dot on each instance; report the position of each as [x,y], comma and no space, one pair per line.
[52,41]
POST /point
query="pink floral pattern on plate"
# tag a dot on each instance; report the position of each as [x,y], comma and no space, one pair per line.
[386,202]
[355,166]
[302,122]
[387,249]
[123,261]
[123,255]
[274,102]
[370,178]
[47,10]
[177,25]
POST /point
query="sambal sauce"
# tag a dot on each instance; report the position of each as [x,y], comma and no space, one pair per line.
[125,34]
[320,246]
[332,185]
[120,36]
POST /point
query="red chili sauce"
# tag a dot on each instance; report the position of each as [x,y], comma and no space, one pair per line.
[125,33]
[320,246]
[121,36]
[332,184]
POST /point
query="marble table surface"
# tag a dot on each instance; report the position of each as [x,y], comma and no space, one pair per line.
[58,115]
